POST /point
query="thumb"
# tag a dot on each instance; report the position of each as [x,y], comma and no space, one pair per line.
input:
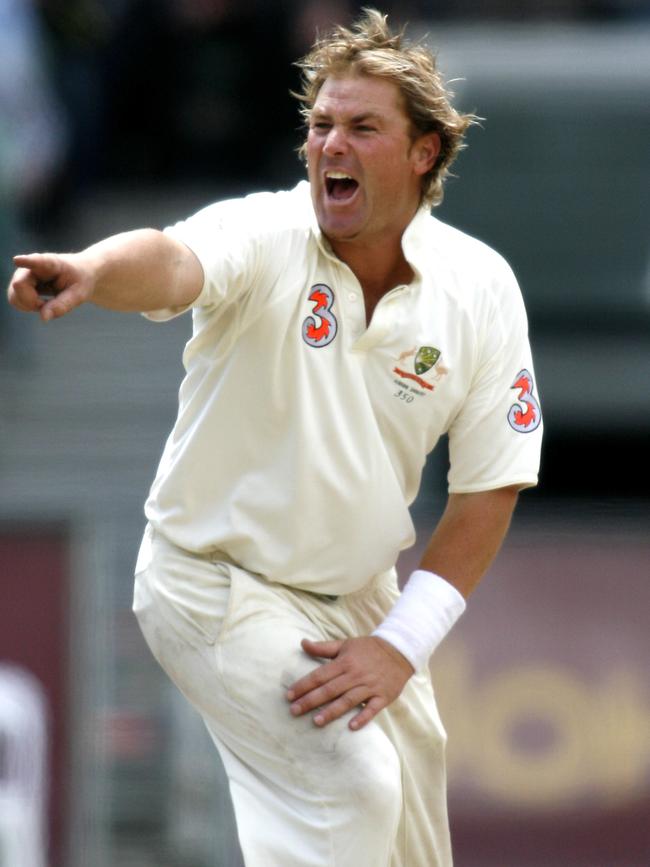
[322,649]
[62,302]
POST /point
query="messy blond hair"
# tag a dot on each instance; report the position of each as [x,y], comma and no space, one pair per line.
[370,48]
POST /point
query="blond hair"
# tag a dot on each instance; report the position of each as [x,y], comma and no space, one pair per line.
[370,48]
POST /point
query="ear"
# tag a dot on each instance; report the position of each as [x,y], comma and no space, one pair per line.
[425,150]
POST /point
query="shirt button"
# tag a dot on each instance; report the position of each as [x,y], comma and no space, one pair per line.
[353,296]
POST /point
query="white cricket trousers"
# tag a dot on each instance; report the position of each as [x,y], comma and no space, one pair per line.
[303,796]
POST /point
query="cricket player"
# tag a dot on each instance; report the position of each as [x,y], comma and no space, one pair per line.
[339,330]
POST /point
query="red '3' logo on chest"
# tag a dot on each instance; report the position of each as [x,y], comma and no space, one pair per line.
[320,329]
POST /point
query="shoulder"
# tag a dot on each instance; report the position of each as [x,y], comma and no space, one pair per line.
[257,215]
[475,277]
[465,256]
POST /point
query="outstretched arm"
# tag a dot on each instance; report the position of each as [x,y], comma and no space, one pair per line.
[134,271]
[369,670]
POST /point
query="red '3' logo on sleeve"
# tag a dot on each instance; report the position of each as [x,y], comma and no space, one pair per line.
[319,330]
[526,415]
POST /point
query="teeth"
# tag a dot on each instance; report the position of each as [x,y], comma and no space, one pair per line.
[338,176]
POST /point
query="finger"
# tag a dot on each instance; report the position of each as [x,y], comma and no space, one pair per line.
[44,266]
[341,706]
[22,292]
[322,649]
[41,279]
[328,692]
[62,303]
[368,712]
[315,679]
[35,281]
[25,302]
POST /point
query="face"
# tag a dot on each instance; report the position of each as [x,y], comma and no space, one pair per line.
[364,168]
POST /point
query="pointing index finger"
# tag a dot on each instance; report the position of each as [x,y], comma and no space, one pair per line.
[43,267]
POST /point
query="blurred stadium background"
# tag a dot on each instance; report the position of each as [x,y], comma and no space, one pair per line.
[137,112]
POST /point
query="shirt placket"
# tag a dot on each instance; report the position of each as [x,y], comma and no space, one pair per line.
[383,319]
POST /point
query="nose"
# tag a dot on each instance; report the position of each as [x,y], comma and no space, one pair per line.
[335,142]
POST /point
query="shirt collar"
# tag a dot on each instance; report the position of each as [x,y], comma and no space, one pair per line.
[413,239]
[414,243]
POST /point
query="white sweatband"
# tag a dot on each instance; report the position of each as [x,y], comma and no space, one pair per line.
[422,616]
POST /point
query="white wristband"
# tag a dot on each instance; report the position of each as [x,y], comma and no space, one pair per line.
[422,616]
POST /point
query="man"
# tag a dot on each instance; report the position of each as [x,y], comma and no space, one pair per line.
[338,331]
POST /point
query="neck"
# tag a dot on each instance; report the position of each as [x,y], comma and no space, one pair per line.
[378,268]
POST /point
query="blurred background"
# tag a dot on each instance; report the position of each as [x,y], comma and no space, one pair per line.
[138,112]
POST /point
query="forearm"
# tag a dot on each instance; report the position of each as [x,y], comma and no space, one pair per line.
[468,536]
[141,270]
[136,271]
[462,547]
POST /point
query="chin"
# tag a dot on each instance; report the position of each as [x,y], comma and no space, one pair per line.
[340,235]
[335,223]
[339,230]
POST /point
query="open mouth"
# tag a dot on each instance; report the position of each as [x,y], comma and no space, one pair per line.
[340,186]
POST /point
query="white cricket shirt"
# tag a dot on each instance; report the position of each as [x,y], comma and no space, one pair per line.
[302,434]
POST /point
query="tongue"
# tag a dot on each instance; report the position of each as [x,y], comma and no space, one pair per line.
[343,188]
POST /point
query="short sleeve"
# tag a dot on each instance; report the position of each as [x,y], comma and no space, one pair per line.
[495,438]
[225,240]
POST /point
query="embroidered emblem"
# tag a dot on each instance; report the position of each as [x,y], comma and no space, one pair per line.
[529,418]
[320,330]
[426,357]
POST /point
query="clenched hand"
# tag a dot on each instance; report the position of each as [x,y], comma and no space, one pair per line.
[49,284]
